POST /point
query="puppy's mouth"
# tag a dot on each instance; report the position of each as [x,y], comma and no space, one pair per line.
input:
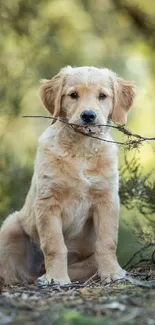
[87,129]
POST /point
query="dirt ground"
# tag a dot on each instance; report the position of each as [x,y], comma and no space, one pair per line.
[80,304]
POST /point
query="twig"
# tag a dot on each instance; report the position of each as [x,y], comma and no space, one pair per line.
[91,279]
[140,283]
[120,128]
[58,286]
[153,257]
[137,253]
[129,278]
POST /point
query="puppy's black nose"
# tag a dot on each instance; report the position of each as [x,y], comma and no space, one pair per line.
[88,116]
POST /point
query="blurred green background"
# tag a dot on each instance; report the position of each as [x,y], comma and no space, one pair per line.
[39,37]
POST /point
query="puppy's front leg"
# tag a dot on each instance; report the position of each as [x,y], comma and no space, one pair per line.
[49,226]
[106,213]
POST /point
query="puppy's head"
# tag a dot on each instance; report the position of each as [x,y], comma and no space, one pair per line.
[88,97]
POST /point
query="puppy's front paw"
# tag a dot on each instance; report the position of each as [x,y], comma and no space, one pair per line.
[47,279]
[118,274]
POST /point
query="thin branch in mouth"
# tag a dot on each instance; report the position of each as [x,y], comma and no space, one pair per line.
[135,141]
[83,128]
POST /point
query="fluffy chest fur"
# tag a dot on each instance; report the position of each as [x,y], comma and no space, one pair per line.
[77,172]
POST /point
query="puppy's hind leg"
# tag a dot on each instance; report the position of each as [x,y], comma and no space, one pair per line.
[16,252]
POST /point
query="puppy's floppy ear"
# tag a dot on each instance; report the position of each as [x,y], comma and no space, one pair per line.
[51,93]
[124,94]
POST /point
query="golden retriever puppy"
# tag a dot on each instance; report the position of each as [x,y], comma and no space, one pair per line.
[67,228]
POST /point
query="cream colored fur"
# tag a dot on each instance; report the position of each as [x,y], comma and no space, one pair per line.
[67,228]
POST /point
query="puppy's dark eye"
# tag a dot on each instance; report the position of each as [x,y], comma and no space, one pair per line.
[74,95]
[102,96]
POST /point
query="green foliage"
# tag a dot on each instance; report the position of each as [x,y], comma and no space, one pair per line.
[137,189]
[72,317]
[15,181]
[137,192]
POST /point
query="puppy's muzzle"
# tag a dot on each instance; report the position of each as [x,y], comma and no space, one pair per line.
[88,116]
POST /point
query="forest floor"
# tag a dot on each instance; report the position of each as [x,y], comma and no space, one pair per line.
[80,304]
